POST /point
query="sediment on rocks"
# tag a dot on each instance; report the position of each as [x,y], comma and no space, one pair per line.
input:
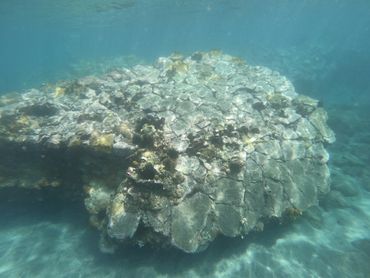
[172,154]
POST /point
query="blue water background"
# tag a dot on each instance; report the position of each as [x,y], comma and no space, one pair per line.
[322,46]
[41,40]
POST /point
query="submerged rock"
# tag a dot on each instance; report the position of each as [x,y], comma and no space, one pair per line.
[173,154]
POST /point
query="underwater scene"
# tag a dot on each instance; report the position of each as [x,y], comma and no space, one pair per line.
[184,138]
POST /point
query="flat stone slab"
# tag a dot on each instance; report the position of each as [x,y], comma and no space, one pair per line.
[172,154]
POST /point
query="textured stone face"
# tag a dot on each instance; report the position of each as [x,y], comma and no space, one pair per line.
[172,154]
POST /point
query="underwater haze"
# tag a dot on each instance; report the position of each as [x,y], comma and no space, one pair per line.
[321,46]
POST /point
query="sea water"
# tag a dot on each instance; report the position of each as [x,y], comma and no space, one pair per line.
[321,46]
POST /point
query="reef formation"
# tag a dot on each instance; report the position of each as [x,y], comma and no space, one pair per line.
[172,154]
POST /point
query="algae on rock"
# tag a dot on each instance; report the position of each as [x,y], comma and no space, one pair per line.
[172,154]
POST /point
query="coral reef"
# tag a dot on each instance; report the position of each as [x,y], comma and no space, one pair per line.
[172,154]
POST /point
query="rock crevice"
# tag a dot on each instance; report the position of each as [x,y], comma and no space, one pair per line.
[172,154]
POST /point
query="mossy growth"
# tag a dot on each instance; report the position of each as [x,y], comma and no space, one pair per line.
[235,166]
[60,89]
[209,153]
[12,124]
[148,132]
[154,162]
[178,67]
[102,141]
[291,214]
[209,146]
[146,137]
[278,101]
[125,130]
[147,171]
[259,106]
[158,165]
[305,105]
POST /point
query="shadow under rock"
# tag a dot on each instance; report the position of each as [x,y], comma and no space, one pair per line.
[174,262]
[28,209]
[22,208]
[32,206]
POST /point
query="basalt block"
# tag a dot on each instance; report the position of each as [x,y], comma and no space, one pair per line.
[171,154]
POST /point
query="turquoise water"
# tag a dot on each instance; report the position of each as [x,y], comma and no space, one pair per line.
[322,46]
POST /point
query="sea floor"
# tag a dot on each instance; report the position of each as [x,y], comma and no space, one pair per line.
[39,239]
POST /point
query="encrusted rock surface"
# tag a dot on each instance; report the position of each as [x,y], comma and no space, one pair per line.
[172,154]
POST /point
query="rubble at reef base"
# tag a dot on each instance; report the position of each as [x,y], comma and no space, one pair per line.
[172,154]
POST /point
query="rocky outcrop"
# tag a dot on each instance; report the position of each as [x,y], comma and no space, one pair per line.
[173,154]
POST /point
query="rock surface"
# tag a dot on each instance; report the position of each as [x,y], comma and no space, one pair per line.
[173,154]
